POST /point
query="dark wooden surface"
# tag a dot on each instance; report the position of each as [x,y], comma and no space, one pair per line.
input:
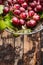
[37,38]
[42,47]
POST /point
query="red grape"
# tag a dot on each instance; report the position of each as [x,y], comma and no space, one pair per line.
[39,7]
[14,1]
[15,21]
[31,23]
[16,6]
[32,4]
[22,9]
[31,13]
[36,17]
[27,1]
[24,5]
[21,22]
[20,1]
[17,12]
[6,10]
[23,15]
[1,2]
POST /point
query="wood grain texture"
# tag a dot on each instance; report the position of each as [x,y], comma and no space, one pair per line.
[25,48]
[32,54]
[42,47]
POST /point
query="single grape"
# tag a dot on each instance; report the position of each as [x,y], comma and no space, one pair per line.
[17,12]
[22,9]
[21,22]
[31,13]
[6,10]
[23,15]
[36,17]
[14,1]
[32,4]
[1,2]
[16,6]
[39,7]
[21,1]
[24,5]
[15,21]
[31,23]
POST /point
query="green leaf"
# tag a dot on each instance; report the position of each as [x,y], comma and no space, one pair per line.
[8,21]
[9,25]
[41,15]
[1,9]
[7,17]
[1,17]
[2,25]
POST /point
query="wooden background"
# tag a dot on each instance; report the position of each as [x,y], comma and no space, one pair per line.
[28,41]
[42,47]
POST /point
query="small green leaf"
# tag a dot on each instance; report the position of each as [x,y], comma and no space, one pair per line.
[8,21]
[41,16]
[2,25]
[9,25]
[8,16]
[1,9]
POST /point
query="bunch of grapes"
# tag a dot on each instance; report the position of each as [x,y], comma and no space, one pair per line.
[24,11]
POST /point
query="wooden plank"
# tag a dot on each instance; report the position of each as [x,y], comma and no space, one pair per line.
[28,46]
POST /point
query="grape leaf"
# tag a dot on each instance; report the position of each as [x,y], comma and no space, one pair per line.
[8,17]
[8,21]
[1,9]
[2,25]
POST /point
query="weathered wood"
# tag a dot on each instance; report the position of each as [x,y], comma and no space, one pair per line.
[23,50]
[42,47]
[32,47]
